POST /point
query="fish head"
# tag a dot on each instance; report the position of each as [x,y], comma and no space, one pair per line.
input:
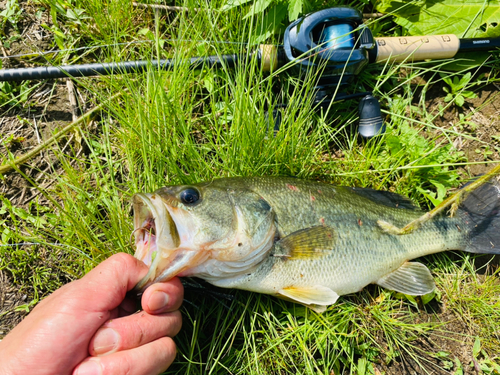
[204,229]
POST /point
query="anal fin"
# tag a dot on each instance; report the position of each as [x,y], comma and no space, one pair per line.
[315,296]
[411,278]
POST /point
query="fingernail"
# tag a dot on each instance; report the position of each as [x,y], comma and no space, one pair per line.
[158,301]
[90,367]
[105,340]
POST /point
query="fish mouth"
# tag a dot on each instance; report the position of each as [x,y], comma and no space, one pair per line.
[153,227]
[162,239]
[154,233]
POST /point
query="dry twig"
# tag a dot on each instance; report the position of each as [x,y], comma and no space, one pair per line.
[72,98]
[373,15]
[9,165]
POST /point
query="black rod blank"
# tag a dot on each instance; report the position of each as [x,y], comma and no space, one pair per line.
[97,69]
[478,44]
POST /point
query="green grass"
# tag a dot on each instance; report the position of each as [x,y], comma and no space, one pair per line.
[186,126]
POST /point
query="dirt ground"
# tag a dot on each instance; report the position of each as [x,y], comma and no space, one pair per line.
[49,108]
[484,113]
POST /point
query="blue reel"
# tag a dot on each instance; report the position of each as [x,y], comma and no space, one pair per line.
[334,44]
[333,41]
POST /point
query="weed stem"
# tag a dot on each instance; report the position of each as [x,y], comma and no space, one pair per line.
[9,165]
[453,201]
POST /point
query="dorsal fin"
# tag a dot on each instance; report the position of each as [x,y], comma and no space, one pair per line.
[386,198]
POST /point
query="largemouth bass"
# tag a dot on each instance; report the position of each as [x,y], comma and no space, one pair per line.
[308,242]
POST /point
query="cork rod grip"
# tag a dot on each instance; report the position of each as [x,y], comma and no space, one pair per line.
[269,57]
[416,48]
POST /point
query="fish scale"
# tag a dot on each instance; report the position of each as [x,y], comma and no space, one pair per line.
[306,241]
[362,250]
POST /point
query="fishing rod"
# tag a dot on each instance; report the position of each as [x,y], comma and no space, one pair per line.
[333,42]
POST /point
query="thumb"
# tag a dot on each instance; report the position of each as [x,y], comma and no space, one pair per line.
[109,282]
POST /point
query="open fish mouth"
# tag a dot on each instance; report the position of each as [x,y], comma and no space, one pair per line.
[163,237]
[154,228]
[155,234]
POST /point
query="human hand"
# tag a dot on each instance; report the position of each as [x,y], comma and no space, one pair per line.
[88,327]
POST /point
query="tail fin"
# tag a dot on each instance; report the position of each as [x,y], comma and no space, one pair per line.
[481,213]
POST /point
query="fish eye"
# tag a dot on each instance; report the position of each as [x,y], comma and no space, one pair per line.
[189,196]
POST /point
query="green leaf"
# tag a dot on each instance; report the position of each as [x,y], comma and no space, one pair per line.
[21,213]
[271,23]
[459,370]
[442,354]
[362,366]
[258,7]
[393,143]
[465,79]
[24,308]
[441,190]
[448,98]
[230,4]
[459,100]
[448,365]
[466,60]
[209,82]
[476,349]
[469,94]
[6,235]
[426,298]
[53,14]
[294,9]
[430,195]
[464,18]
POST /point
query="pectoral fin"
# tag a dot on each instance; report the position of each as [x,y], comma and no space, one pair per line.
[315,295]
[411,278]
[308,243]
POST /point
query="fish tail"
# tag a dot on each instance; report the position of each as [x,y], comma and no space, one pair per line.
[480,212]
